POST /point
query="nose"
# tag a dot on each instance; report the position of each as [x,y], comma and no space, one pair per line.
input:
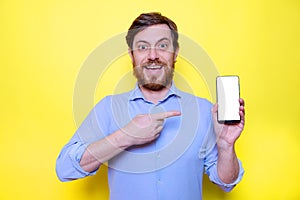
[153,54]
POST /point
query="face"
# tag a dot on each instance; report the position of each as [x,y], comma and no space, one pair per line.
[153,57]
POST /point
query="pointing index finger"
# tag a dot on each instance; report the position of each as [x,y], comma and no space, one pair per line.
[164,115]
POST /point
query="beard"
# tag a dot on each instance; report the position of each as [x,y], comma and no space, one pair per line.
[154,82]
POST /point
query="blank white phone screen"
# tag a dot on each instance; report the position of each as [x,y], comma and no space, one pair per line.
[228,94]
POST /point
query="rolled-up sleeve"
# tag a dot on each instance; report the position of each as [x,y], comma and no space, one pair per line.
[91,130]
[67,164]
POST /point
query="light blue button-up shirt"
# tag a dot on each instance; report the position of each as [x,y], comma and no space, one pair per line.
[169,168]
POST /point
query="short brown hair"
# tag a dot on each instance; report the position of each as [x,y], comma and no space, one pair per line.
[148,19]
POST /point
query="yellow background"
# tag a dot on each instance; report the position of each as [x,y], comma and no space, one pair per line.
[44,43]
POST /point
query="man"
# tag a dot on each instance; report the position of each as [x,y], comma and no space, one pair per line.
[156,139]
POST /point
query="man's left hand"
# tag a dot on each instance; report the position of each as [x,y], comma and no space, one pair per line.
[227,134]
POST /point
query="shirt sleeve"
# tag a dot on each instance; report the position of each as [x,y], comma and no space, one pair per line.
[92,129]
[67,163]
[211,170]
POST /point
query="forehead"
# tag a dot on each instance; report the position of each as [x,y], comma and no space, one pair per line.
[153,33]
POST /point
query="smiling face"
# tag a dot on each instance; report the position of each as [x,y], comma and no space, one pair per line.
[153,57]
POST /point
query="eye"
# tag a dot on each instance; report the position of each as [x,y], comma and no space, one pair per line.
[143,47]
[163,46]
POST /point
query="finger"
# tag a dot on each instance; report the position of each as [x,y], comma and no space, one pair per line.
[242,109]
[242,102]
[242,112]
[214,112]
[214,108]
[164,115]
[242,105]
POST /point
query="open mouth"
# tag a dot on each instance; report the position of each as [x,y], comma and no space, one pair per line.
[155,67]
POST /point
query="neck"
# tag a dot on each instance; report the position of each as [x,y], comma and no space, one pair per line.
[155,96]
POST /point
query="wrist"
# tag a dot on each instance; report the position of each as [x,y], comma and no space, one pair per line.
[121,140]
[225,147]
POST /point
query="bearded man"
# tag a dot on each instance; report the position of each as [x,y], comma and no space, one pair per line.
[156,139]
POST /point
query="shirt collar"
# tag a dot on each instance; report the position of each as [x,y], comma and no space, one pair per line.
[137,93]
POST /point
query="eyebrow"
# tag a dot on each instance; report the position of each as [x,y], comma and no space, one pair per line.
[162,39]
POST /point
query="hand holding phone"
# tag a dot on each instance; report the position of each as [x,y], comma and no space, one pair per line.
[228,95]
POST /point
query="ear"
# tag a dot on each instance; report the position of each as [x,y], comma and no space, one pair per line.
[176,53]
[130,53]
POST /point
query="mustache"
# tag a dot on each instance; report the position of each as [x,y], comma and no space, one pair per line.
[155,62]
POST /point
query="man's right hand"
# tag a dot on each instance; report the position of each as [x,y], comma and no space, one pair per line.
[146,128]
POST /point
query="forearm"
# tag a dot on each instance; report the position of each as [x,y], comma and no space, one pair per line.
[141,130]
[103,150]
[227,166]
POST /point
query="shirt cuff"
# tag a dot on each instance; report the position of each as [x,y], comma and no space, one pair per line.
[72,169]
[214,177]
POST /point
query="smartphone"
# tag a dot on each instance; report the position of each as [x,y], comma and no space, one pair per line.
[228,95]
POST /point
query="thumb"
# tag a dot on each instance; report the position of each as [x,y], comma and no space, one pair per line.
[214,112]
[214,108]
